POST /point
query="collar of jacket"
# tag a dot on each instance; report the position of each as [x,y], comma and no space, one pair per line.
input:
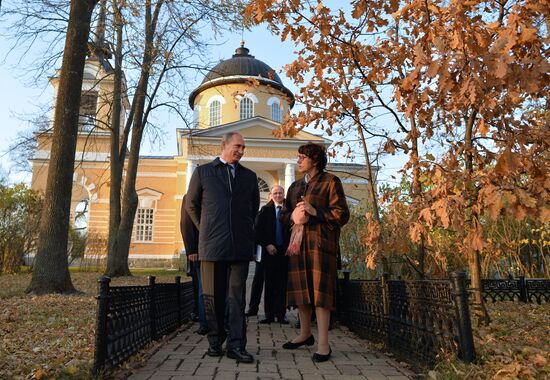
[218,162]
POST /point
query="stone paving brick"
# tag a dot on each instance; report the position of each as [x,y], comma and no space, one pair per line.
[169,373]
[348,369]
[268,367]
[286,364]
[268,375]
[374,375]
[226,375]
[206,371]
[169,364]
[287,373]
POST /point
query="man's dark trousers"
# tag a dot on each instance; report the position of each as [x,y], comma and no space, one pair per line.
[275,271]
[221,280]
[257,288]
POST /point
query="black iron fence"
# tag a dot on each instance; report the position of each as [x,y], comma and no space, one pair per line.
[130,317]
[522,289]
[418,319]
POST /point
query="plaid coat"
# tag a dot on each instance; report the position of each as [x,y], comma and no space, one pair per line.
[312,273]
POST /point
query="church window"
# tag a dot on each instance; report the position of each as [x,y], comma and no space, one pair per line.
[215,113]
[88,111]
[246,108]
[144,224]
[263,186]
[276,112]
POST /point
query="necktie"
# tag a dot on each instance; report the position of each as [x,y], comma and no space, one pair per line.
[232,169]
[279,240]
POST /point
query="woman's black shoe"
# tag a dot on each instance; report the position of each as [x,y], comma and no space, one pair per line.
[292,346]
[320,357]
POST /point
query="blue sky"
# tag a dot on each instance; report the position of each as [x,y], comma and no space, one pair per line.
[18,96]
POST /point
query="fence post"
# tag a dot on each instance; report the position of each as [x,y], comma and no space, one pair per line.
[386,305]
[344,294]
[465,335]
[178,302]
[102,298]
[152,308]
[522,289]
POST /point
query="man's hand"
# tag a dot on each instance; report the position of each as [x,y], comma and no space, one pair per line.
[271,249]
[193,257]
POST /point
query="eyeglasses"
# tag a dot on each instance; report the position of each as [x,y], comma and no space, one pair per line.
[302,157]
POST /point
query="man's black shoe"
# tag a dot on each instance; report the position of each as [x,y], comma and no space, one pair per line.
[240,355]
[251,313]
[267,321]
[214,351]
[202,331]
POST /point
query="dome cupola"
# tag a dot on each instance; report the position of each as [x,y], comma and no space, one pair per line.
[240,68]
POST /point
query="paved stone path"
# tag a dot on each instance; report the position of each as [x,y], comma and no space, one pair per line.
[184,357]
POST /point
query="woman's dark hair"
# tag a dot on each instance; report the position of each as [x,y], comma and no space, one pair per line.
[317,153]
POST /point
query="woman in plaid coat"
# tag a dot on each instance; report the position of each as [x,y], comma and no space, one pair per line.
[317,202]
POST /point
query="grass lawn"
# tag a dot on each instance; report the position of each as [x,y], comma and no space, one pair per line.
[53,336]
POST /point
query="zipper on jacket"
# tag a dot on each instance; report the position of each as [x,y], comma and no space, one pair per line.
[230,207]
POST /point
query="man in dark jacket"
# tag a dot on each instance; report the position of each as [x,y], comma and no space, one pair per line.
[190,236]
[222,200]
[272,236]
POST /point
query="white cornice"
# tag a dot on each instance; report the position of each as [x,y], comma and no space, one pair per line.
[247,159]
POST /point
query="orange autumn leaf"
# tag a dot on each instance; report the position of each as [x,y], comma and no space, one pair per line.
[506,163]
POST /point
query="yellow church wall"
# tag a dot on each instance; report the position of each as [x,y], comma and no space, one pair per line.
[214,150]
[230,110]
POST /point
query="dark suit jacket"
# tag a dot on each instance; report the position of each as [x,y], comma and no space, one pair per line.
[223,209]
[265,229]
[189,231]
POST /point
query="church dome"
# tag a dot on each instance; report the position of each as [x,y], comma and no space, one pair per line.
[242,63]
[238,69]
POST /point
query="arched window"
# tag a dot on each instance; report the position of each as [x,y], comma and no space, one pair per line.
[246,108]
[263,186]
[276,112]
[215,112]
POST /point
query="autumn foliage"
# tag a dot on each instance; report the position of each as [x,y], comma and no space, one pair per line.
[465,85]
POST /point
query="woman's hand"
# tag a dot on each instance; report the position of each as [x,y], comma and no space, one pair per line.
[307,207]
[299,216]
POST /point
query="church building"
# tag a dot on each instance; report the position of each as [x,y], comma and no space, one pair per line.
[240,94]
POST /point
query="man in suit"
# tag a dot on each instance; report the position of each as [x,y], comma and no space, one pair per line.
[272,236]
[222,200]
[190,236]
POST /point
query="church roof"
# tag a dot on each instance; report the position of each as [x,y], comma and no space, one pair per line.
[238,69]
[242,63]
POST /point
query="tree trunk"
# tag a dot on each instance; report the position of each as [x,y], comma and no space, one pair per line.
[117,262]
[474,260]
[51,268]
[118,154]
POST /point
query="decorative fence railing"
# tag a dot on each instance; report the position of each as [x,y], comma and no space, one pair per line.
[522,289]
[130,317]
[418,319]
